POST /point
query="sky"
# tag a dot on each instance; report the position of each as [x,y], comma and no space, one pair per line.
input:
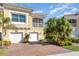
[52,9]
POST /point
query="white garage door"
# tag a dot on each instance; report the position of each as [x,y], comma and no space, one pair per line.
[33,37]
[15,37]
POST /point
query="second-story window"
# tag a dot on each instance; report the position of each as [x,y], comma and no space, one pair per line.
[18,17]
[37,22]
[73,22]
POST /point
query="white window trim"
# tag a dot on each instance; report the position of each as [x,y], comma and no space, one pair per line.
[17,12]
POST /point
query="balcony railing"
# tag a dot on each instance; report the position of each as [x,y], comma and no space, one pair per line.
[37,24]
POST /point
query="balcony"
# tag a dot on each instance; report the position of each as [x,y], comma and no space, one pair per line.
[37,22]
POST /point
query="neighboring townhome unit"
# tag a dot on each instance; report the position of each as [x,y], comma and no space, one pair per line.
[74,20]
[25,22]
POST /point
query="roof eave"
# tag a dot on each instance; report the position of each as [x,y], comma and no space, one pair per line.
[15,6]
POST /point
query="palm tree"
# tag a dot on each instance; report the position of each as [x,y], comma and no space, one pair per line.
[4,24]
[64,28]
[51,29]
[57,28]
[4,21]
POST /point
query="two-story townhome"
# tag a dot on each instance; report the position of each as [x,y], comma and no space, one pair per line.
[74,20]
[25,22]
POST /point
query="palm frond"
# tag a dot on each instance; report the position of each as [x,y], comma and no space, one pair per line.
[6,20]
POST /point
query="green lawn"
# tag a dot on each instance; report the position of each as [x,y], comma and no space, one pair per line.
[2,52]
[73,48]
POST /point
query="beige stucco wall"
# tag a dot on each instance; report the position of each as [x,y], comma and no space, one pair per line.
[28,24]
[73,17]
[78,21]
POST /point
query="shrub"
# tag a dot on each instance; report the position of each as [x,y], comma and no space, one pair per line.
[6,43]
[65,42]
[75,39]
[68,41]
[51,39]
[61,43]
[48,38]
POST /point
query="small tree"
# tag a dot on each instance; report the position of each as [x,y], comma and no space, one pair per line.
[26,38]
[4,22]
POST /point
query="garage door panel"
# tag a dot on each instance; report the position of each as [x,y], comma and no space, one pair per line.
[15,37]
[33,37]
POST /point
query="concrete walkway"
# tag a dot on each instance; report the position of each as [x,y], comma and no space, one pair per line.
[67,54]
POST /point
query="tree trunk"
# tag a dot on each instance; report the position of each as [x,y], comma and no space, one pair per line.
[2,33]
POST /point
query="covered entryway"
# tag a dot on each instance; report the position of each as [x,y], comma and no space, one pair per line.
[33,37]
[16,37]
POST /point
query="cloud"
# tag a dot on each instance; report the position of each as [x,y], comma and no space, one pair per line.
[61,9]
[51,6]
[72,11]
[56,10]
[38,11]
[59,16]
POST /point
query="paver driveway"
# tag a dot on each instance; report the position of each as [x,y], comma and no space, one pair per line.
[34,50]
